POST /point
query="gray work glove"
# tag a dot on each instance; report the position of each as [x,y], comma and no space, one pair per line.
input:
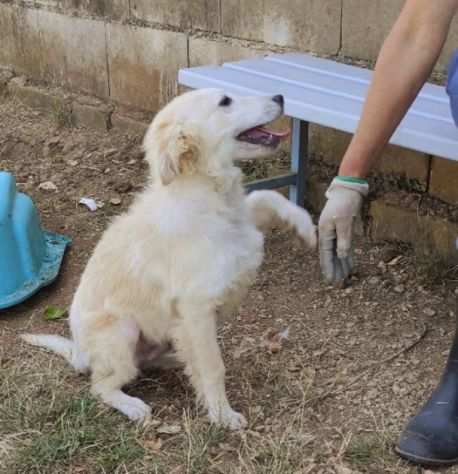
[345,197]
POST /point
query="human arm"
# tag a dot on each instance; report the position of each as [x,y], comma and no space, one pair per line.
[405,62]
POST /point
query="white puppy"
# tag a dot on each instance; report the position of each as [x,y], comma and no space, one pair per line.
[188,246]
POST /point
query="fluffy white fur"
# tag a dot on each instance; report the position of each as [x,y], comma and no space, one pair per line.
[188,247]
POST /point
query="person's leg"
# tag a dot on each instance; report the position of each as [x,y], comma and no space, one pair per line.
[431,437]
[452,86]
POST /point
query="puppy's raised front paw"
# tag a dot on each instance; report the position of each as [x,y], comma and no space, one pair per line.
[305,228]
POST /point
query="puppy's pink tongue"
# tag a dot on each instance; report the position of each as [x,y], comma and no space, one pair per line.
[258,132]
[263,136]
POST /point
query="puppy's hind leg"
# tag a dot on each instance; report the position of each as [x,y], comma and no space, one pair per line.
[111,351]
[267,206]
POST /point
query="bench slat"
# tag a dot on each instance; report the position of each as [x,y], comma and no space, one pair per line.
[432,107]
[306,61]
[352,73]
[331,94]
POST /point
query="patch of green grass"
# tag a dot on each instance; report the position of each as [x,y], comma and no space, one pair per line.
[364,452]
[199,444]
[78,434]
[284,454]
[62,115]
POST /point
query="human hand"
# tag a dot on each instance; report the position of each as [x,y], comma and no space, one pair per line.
[345,197]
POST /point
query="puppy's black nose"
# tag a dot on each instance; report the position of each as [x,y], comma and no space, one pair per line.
[278,99]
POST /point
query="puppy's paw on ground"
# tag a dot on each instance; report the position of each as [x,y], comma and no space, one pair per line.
[230,419]
[134,408]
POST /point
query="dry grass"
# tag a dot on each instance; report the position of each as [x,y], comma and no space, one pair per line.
[49,424]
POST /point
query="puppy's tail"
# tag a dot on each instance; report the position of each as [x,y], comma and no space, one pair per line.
[60,345]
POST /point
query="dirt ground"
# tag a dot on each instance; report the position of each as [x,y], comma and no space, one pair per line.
[331,399]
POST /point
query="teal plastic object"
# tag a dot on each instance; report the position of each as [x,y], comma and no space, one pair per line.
[30,257]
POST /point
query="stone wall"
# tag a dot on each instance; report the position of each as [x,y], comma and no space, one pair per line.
[114,57]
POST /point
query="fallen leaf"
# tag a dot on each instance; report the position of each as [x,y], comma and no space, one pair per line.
[54,312]
[275,340]
[153,444]
[169,429]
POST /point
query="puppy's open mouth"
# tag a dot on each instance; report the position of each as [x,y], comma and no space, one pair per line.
[262,135]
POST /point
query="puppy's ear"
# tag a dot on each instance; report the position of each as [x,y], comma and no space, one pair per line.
[172,150]
[179,154]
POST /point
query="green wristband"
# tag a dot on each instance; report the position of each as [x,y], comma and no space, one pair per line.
[352,179]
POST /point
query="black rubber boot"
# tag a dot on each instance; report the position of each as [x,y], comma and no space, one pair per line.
[431,437]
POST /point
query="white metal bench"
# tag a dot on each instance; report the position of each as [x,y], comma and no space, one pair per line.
[330,94]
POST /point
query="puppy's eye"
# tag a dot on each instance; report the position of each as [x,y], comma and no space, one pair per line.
[225,101]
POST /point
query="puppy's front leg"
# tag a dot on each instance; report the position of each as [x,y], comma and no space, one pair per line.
[205,365]
[267,206]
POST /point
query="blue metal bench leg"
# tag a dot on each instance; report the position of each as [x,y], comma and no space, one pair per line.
[299,156]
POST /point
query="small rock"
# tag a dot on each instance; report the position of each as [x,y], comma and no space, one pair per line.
[274,347]
[47,186]
[68,147]
[106,170]
[110,152]
[399,289]
[72,162]
[53,141]
[429,312]
[374,280]
[132,162]
[115,201]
